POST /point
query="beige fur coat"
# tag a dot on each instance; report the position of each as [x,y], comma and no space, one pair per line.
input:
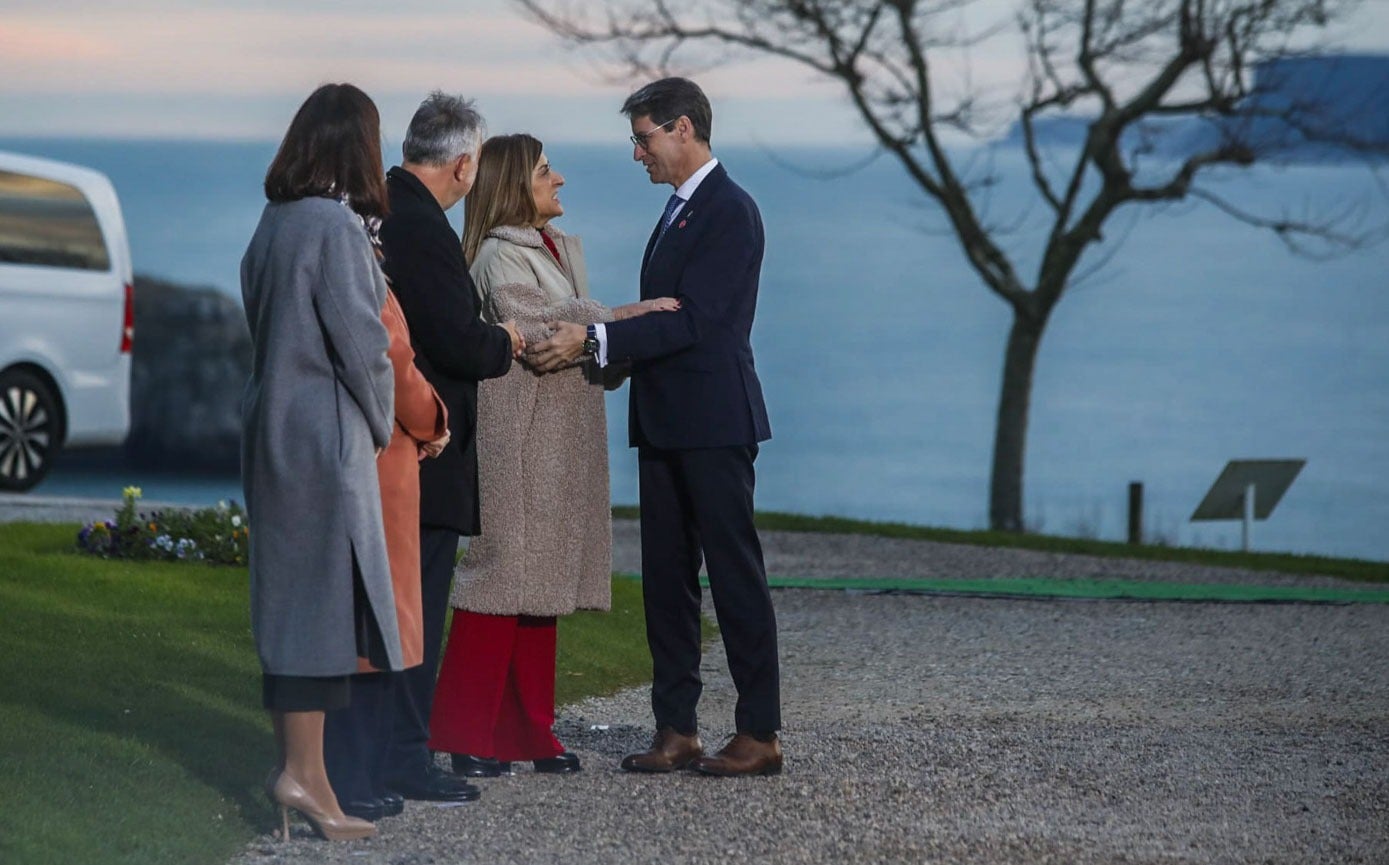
[546,542]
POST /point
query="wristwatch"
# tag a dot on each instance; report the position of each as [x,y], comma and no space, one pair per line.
[591,341]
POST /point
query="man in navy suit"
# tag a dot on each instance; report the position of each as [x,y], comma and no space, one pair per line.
[696,418]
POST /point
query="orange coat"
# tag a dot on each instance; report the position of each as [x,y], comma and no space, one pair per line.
[420,416]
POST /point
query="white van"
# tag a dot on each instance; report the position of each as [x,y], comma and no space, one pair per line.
[67,315]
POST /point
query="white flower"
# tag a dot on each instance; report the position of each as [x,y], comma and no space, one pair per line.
[236,520]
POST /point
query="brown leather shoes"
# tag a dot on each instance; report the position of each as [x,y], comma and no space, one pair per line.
[743,755]
[670,750]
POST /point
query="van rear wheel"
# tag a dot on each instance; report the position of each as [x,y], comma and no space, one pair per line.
[28,430]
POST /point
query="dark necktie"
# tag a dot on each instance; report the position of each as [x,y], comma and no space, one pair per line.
[675,202]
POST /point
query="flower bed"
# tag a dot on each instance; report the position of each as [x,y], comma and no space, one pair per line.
[218,535]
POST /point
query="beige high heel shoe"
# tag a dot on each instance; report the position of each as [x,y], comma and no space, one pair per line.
[286,793]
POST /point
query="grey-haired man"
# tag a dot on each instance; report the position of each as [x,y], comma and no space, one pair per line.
[454,349]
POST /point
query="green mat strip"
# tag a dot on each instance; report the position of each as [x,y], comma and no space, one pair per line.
[1044,587]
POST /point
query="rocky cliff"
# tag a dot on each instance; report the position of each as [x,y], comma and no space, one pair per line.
[192,357]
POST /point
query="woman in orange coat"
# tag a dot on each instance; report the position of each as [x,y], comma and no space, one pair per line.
[355,739]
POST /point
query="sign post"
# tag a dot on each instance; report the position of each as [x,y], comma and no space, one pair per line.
[1248,490]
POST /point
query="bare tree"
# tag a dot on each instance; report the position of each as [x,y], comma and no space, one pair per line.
[1132,68]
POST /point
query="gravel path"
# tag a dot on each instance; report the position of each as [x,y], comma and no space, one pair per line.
[944,730]
[926,729]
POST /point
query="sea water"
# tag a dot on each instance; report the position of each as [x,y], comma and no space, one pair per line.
[1194,340]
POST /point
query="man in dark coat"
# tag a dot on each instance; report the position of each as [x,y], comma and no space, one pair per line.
[696,418]
[454,349]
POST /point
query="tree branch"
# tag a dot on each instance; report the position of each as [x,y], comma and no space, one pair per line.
[1294,232]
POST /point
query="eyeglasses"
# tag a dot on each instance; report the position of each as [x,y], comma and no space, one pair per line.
[639,139]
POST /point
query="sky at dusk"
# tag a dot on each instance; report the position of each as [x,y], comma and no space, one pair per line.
[237,70]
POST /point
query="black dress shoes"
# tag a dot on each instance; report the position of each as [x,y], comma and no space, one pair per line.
[479,767]
[370,810]
[434,785]
[490,767]
[393,803]
[563,764]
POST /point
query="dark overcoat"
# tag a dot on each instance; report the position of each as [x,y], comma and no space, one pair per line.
[454,348]
[319,402]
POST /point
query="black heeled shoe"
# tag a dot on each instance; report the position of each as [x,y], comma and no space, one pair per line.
[562,764]
[477,767]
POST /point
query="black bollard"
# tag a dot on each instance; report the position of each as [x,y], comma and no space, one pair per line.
[1136,512]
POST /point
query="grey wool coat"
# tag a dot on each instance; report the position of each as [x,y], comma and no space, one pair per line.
[319,402]
[546,542]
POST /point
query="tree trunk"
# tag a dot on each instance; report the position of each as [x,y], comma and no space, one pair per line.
[1010,431]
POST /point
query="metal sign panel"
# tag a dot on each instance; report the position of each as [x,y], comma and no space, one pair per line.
[1270,479]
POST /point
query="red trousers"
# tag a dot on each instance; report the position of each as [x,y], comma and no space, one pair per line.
[496,691]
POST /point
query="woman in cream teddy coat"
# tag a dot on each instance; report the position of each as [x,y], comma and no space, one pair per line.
[546,544]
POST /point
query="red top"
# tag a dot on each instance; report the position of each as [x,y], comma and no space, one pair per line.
[550,245]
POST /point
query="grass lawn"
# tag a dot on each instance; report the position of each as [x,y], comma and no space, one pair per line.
[130,727]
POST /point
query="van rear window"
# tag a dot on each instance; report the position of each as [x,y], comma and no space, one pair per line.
[48,223]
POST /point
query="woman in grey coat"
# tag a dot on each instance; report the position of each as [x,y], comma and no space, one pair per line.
[317,409]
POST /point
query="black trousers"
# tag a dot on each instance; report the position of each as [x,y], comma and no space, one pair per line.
[413,695]
[357,738]
[697,504]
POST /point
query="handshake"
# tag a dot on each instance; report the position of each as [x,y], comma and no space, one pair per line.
[566,340]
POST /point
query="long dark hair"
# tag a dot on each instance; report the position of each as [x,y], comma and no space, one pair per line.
[333,149]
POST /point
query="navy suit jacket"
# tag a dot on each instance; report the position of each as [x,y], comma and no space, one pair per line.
[694,384]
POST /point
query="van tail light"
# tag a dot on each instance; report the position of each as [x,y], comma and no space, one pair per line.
[128,321]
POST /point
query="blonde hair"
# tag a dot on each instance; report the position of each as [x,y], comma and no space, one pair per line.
[501,194]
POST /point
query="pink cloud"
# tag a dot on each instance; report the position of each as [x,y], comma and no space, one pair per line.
[264,51]
[23,42]
[209,57]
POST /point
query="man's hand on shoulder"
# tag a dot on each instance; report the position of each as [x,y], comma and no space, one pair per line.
[566,343]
